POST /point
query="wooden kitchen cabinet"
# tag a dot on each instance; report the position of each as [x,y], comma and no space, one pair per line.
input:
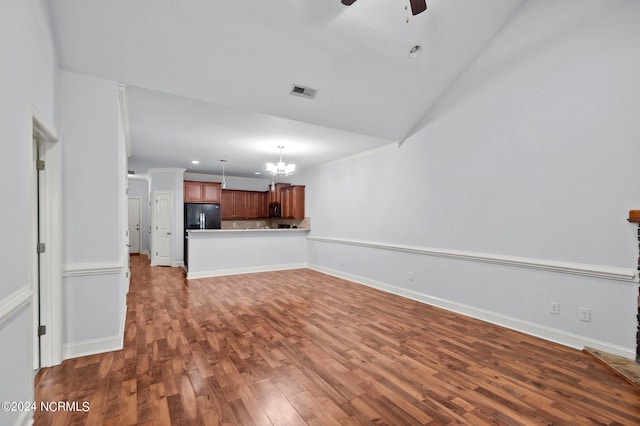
[234,204]
[292,200]
[257,206]
[263,204]
[275,196]
[201,192]
[226,204]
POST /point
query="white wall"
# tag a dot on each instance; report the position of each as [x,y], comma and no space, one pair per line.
[28,76]
[89,125]
[533,152]
[95,254]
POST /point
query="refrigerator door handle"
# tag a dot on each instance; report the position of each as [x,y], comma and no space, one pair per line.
[202,220]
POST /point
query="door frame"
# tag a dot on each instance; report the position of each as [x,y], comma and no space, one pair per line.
[154,221]
[137,197]
[49,299]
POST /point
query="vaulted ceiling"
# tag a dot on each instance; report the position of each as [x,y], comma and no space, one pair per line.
[211,79]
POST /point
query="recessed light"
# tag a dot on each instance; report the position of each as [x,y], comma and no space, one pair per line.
[415,51]
[195,162]
[257,173]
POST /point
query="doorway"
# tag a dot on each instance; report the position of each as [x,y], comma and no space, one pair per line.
[134,217]
[44,188]
[162,253]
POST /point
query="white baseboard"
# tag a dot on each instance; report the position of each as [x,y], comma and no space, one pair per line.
[532,329]
[123,322]
[248,270]
[97,346]
[92,347]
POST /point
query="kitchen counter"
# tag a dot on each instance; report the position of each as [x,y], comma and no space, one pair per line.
[214,231]
[217,252]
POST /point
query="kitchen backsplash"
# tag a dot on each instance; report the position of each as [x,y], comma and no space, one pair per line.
[265,223]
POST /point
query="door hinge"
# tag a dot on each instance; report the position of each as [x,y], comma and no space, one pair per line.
[40,165]
[41,248]
[42,330]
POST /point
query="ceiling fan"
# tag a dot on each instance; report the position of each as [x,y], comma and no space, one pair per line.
[417,6]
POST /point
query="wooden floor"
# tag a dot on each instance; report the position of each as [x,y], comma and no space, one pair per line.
[299,347]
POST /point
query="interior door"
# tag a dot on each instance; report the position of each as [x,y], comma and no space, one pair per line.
[163,229]
[39,195]
[134,224]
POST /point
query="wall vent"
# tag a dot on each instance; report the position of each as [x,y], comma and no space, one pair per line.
[305,92]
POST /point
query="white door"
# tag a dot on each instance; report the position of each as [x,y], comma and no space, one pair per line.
[134,224]
[162,233]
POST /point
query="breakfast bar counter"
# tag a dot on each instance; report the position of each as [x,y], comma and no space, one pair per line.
[218,252]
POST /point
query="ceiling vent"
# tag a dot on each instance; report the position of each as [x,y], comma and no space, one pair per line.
[305,92]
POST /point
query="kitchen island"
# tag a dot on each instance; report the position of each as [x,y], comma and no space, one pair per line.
[217,252]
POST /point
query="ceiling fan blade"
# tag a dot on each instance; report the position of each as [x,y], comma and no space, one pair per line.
[417,6]
[348,2]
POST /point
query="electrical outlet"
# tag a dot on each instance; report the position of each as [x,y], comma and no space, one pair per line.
[585,314]
[555,308]
[411,276]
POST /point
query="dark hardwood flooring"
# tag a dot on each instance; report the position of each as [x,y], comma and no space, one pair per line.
[299,347]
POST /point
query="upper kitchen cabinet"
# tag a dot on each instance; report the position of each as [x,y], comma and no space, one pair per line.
[275,192]
[292,200]
[257,206]
[201,192]
[234,204]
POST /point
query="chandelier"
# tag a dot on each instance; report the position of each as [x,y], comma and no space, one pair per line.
[280,168]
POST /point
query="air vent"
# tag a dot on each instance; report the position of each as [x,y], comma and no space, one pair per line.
[305,92]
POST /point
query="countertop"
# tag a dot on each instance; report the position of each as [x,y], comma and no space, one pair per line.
[257,230]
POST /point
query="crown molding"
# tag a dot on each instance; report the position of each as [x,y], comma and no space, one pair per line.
[378,150]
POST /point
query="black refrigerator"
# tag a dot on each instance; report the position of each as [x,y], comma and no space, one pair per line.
[199,216]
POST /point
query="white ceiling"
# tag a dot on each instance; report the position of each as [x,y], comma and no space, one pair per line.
[210,79]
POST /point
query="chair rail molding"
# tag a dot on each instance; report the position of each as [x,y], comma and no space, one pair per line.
[596,271]
[97,268]
[14,302]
